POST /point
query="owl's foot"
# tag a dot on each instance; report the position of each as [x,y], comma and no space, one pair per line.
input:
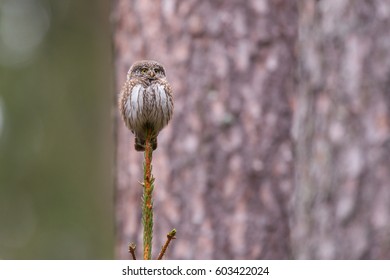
[154,143]
[140,144]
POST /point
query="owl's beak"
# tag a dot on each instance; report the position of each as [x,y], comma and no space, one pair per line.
[152,74]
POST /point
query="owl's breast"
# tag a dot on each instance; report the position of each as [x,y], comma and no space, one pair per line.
[148,105]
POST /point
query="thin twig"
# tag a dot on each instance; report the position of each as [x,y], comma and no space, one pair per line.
[170,236]
[132,248]
[147,209]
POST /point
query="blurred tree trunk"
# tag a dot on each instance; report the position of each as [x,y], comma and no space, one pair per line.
[342,195]
[224,164]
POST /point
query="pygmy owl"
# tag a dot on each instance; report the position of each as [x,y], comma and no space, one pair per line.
[146,101]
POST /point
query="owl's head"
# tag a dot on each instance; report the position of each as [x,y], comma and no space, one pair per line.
[148,69]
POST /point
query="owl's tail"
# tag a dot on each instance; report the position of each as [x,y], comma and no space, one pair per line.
[140,144]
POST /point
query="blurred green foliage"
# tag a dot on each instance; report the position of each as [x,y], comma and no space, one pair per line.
[56,197]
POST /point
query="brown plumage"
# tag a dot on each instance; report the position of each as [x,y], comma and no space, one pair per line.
[146,101]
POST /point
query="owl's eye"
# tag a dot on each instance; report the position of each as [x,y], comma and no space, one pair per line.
[144,70]
[158,71]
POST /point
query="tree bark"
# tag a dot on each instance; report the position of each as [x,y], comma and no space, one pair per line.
[223,167]
[342,195]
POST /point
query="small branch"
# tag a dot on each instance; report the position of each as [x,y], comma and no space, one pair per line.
[132,248]
[170,236]
[147,209]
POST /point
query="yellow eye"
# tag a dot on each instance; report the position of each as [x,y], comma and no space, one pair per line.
[144,70]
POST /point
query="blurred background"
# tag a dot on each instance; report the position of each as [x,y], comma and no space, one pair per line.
[278,147]
[55,137]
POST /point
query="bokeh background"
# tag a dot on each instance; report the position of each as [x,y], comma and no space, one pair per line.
[278,147]
[55,136]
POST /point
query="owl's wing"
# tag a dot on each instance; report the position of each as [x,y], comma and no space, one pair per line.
[135,100]
[167,87]
[169,101]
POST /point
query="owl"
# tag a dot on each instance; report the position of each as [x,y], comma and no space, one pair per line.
[146,101]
